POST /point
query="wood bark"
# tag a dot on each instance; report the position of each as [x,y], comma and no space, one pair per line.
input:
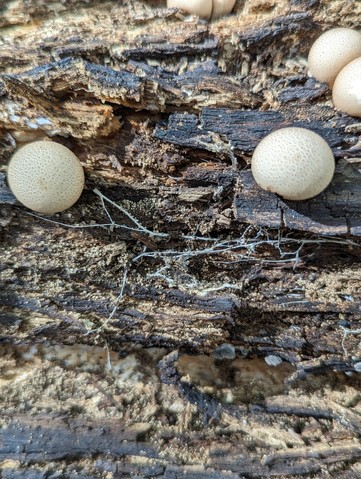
[177,320]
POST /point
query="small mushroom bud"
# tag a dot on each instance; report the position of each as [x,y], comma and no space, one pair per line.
[202,8]
[222,7]
[346,93]
[333,50]
[45,176]
[294,162]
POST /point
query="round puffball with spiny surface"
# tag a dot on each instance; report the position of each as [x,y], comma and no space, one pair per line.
[333,50]
[295,163]
[346,92]
[222,7]
[202,8]
[45,176]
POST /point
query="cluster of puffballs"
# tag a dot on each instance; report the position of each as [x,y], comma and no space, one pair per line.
[295,163]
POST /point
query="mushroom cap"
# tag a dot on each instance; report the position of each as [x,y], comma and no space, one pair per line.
[222,7]
[202,8]
[333,50]
[346,92]
[294,162]
[45,176]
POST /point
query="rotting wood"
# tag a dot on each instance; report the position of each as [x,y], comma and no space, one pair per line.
[100,437]
[164,114]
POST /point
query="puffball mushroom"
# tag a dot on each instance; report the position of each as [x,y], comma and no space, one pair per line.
[45,176]
[346,92]
[202,8]
[294,162]
[222,7]
[333,50]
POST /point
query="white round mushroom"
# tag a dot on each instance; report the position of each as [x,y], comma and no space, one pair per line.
[295,163]
[222,7]
[202,8]
[333,50]
[346,92]
[45,176]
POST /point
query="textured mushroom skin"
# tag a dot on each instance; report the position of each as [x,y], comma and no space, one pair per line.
[202,8]
[222,7]
[333,50]
[45,176]
[294,162]
[346,93]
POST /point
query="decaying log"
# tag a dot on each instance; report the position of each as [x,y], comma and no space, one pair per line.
[178,320]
